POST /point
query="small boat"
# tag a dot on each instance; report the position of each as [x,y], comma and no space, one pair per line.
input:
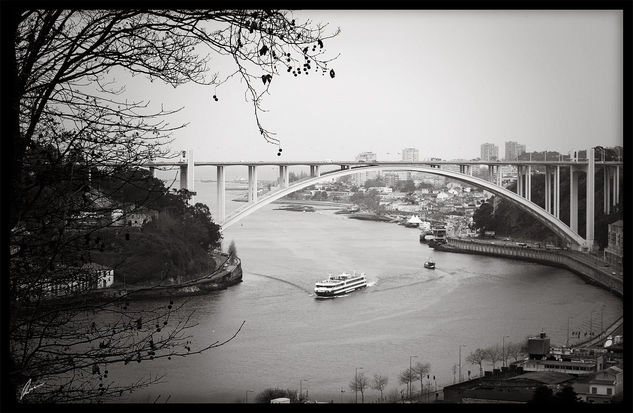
[340,284]
[430,264]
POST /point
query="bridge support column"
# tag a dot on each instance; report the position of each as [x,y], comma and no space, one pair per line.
[591,197]
[573,198]
[491,173]
[221,194]
[548,190]
[283,176]
[606,189]
[252,183]
[557,192]
[528,185]
[152,172]
[520,185]
[186,174]
[314,171]
[616,186]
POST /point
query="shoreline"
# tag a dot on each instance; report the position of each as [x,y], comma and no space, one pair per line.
[556,258]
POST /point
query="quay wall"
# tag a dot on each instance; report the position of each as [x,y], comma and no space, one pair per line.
[558,258]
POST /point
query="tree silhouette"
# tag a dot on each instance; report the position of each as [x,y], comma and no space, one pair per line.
[477,357]
[421,370]
[73,143]
[379,383]
[359,383]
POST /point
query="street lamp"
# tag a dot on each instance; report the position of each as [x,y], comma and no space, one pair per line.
[503,349]
[356,382]
[301,388]
[410,357]
[460,362]
[246,395]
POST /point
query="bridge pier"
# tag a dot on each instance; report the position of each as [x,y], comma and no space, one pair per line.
[187,173]
[591,194]
[314,171]
[557,192]
[548,190]
[221,194]
[283,176]
[252,183]
[573,198]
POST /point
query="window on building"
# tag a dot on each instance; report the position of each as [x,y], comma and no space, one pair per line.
[594,390]
[609,390]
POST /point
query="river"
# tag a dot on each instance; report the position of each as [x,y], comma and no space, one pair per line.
[292,340]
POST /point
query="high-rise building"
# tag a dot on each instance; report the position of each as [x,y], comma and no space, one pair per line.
[360,178]
[409,155]
[514,150]
[489,152]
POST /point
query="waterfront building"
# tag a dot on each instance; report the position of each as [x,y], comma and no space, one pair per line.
[614,251]
[513,150]
[542,358]
[489,152]
[505,385]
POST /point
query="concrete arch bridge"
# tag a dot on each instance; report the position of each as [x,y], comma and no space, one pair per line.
[548,215]
[553,223]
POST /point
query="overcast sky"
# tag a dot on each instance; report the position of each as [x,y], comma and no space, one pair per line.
[441,81]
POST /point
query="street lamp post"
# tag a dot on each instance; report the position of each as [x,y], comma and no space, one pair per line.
[503,349]
[356,382]
[460,362]
[246,396]
[301,388]
[410,357]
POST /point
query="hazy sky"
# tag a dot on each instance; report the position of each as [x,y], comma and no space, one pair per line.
[441,81]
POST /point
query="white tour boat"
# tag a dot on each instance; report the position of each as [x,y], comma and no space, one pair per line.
[342,283]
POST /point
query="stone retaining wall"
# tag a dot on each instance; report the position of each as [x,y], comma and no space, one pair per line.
[559,258]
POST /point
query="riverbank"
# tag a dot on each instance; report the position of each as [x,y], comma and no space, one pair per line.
[591,273]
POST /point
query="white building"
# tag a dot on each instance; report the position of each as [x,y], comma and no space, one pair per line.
[360,178]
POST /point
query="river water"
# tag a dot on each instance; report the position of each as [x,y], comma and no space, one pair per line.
[292,340]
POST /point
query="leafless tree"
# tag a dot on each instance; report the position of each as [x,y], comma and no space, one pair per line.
[515,350]
[359,384]
[379,383]
[406,377]
[421,370]
[493,354]
[477,357]
[67,122]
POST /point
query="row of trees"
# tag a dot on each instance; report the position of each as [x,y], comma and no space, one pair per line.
[419,371]
[496,354]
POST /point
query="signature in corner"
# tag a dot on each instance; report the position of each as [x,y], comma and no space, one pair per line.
[28,388]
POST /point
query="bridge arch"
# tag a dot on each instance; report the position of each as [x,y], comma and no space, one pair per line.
[551,222]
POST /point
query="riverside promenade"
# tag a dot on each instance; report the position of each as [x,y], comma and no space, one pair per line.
[590,269]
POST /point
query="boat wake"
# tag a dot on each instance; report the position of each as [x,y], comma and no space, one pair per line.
[302,288]
[424,281]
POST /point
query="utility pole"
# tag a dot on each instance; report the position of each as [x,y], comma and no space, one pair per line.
[460,362]
[356,382]
[503,349]
[410,372]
